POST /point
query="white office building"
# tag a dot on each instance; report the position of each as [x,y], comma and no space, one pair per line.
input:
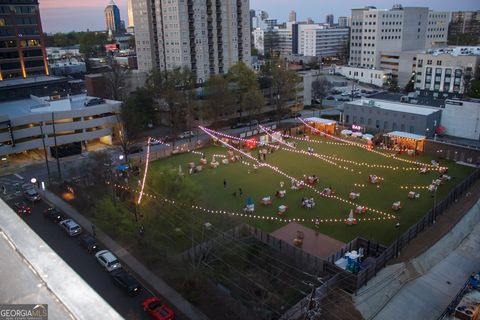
[316,40]
[374,31]
[207,36]
[343,22]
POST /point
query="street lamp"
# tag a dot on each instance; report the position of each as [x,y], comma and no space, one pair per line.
[121,157]
[33,180]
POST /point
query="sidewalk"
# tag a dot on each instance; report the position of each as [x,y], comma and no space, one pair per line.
[148,277]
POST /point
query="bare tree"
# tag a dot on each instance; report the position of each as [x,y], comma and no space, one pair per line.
[115,81]
[320,89]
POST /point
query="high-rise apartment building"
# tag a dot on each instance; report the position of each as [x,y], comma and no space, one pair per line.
[329,19]
[399,29]
[131,23]
[112,18]
[22,50]
[467,22]
[343,22]
[292,16]
[207,36]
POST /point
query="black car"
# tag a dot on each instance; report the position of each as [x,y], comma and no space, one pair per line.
[124,280]
[343,99]
[330,98]
[94,102]
[88,242]
[238,125]
[53,214]
[135,149]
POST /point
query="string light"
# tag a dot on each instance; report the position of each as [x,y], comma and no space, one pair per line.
[145,173]
[250,216]
[293,179]
[371,150]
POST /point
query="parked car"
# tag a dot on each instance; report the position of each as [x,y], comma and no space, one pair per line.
[330,98]
[22,208]
[108,260]
[335,91]
[135,149]
[53,214]
[32,195]
[154,142]
[345,94]
[253,123]
[157,309]
[126,281]
[343,99]
[94,102]
[70,227]
[238,125]
[186,134]
[88,242]
[267,120]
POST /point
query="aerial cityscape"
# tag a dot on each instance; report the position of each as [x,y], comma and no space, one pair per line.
[239,159]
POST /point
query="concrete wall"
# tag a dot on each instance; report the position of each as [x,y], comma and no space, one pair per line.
[89,125]
[462,119]
[371,76]
[387,120]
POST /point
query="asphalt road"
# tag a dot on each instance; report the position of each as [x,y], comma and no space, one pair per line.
[83,263]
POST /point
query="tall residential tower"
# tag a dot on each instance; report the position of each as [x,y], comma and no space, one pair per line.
[207,36]
[22,50]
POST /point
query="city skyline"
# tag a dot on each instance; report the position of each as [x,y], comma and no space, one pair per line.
[64,17]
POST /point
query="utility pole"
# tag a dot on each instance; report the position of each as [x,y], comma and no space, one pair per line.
[56,148]
[46,154]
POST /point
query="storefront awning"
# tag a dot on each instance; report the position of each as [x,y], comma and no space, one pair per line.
[407,135]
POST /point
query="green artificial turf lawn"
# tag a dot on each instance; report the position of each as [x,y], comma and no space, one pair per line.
[265,182]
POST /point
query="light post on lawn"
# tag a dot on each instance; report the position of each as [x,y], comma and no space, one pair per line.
[434,206]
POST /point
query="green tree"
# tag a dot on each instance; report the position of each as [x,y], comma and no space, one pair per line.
[246,89]
[463,39]
[173,93]
[474,89]
[136,114]
[115,219]
[283,84]
[410,86]
[320,89]
[92,43]
[219,100]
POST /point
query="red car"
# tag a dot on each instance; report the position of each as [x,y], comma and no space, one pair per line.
[22,208]
[157,309]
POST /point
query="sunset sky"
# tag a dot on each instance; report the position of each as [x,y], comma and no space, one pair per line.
[60,15]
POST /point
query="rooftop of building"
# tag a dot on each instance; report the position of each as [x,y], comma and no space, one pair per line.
[395,106]
[39,105]
[31,80]
[455,51]
[423,98]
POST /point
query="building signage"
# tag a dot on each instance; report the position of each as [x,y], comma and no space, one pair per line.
[357,127]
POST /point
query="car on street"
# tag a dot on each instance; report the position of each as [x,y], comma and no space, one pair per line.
[186,134]
[31,195]
[345,94]
[22,208]
[154,142]
[108,260]
[157,309]
[267,120]
[125,281]
[70,227]
[330,98]
[88,242]
[53,214]
[238,125]
[343,99]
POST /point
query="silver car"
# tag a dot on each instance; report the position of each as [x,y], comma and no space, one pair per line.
[108,260]
[70,227]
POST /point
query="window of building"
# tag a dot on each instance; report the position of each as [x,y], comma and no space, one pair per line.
[377,124]
[429,62]
[412,129]
[385,125]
